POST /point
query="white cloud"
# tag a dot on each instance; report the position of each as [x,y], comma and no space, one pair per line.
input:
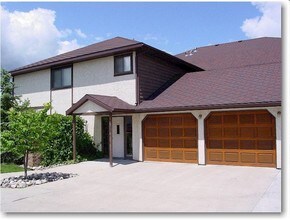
[98,39]
[66,46]
[157,40]
[65,33]
[150,37]
[27,37]
[266,25]
[80,33]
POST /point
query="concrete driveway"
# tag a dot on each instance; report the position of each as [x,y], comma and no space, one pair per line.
[150,187]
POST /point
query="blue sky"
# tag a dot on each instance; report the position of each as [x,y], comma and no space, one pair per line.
[172,27]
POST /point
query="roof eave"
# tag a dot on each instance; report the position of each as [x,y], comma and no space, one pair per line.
[176,59]
[86,98]
[210,107]
[108,108]
[77,59]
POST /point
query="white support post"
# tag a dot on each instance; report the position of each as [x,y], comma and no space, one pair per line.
[98,132]
[276,112]
[278,142]
[137,141]
[200,116]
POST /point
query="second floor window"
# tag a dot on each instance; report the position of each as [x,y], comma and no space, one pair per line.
[123,64]
[61,78]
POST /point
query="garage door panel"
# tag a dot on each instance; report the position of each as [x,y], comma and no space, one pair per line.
[164,154]
[175,140]
[265,132]
[241,157]
[215,144]
[176,132]
[232,157]
[231,144]
[163,132]
[151,153]
[247,144]
[246,119]
[231,132]
[264,119]
[216,156]
[265,145]
[177,154]
[163,122]
[247,132]
[151,122]
[151,132]
[151,142]
[190,155]
[163,143]
[190,132]
[176,121]
[266,158]
[215,132]
[214,119]
[248,157]
[247,138]
[189,120]
[190,143]
[230,119]
[177,143]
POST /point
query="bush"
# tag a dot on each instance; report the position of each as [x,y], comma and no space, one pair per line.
[59,148]
[27,131]
[10,157]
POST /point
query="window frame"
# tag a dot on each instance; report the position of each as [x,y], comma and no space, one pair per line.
[53,69]
[131,64]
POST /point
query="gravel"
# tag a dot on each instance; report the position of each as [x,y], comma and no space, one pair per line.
[34,179]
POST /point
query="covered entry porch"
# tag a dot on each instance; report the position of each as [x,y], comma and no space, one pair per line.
[115,127]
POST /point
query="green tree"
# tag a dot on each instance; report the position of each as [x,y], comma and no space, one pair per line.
[27,132]
[8,99]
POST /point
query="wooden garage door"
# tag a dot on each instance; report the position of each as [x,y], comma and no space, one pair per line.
[170,137]
[241,138]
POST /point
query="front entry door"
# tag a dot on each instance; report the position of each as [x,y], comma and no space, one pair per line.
[118,137]
[122,136]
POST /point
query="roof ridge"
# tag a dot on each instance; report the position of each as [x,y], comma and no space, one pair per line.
[127,39]
[237,67]
[133,42]
[102,103]
[99,43]
[39,63]
[103,95]
[232,42]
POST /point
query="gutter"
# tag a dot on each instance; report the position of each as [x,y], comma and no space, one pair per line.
[75,59]
[210,107]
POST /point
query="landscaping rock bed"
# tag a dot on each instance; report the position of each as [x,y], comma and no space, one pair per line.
[36,168]
[34,179]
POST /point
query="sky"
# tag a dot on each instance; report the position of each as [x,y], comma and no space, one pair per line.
[33,31]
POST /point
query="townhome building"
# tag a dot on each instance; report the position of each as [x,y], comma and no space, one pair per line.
[218,104]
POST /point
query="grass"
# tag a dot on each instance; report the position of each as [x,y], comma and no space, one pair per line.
[9,168]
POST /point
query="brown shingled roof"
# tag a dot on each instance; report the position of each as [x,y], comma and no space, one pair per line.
[257,85]
[110,103]
[235,54]
[113,45]
[105,48]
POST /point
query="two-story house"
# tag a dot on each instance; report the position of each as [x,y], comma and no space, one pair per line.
[217,104]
